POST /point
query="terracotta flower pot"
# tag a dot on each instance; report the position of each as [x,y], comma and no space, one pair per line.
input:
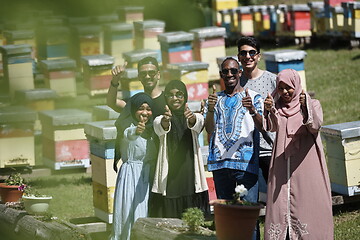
[9,193]
[235,222]
[36,205]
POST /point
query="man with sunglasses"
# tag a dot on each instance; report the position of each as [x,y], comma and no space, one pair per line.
[260,81]
[232,118]
[149,76]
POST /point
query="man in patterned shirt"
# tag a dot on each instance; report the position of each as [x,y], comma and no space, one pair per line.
[260,81]
[230,119]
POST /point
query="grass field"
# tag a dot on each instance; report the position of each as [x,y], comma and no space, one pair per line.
[334,76]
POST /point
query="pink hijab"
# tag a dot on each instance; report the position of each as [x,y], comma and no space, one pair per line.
[290,110]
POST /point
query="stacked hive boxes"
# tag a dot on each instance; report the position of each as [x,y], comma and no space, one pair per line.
[209,43]
[245,21]
[271,10]
[101,136]
[63,139]
[133,57]
[300,20]
[337,14]
[130,84]
[355,19]
[59,75]
[146,33]
[22,37]
[225,16]
[195,76]
[39,99]
[86,41]
[176,47]
[17,142]
[343,156]
[317,15]
[218,5]
[261,19]
[283,21]
[118,38]
[130,14]
[97,73]
[279,60]
[332,11]
[18,67]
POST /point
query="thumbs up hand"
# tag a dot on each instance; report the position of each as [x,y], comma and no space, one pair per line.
[165,120]
[269,102]
[117,73]
[212,99]
[140,128]
[189,115]
[247,102]
[302,98]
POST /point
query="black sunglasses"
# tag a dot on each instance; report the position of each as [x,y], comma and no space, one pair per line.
[151,73]
[232,70]
[178,95]
[252,53]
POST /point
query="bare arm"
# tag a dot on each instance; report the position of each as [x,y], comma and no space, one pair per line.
[111,98]
[209,120]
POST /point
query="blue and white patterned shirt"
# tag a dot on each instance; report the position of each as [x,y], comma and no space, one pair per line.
[234,143]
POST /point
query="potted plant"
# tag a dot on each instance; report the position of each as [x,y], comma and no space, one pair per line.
[34,202]
[236,218]
[9,190]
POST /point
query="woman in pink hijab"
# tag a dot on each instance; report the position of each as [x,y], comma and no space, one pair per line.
[299,204]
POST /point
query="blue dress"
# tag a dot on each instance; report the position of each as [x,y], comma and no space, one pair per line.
[132,183]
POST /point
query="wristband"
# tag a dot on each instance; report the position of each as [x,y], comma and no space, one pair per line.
[113,84]
[254,113]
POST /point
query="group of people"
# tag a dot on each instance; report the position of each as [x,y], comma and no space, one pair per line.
[259,121]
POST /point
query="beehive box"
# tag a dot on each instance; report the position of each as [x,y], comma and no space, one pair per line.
[59,75]
[316,8]
[283,21]
[38,99]
[53,42]
[355,16]
[101,136]
[118,38]
[22,37]
[97,73]
[245,22]
[63,137]
[343,156]
[338,21]
[195,76]
[87,41]
[130,84]
[278,60]
[209,43]
[130,14]
[133,57]
[146,33]
[300,20]
[176,47]
[17,144]
[104,112]
[218,5]
[17,67]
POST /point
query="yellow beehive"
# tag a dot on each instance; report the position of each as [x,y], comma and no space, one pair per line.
[343,156]
[102,171]
[103,197]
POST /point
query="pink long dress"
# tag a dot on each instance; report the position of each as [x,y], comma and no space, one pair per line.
[299,193]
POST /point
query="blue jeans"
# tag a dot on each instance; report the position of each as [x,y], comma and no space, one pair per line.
[225,181]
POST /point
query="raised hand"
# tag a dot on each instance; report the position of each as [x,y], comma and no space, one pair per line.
[117,73]
[247,102]
[189,115]
[140,128]
[165,120]
[269,102]
[212,100]
[302,98]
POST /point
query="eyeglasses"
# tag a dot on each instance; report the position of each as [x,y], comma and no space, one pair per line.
[252,53]
[178,95]
[151,73]
[232,70]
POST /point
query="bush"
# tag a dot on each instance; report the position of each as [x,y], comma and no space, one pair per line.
[194,218]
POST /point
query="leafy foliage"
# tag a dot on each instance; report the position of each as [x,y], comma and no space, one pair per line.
[194,218]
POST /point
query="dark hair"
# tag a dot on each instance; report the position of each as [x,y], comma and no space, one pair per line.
[230,58]
[251,41]
[148,60]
